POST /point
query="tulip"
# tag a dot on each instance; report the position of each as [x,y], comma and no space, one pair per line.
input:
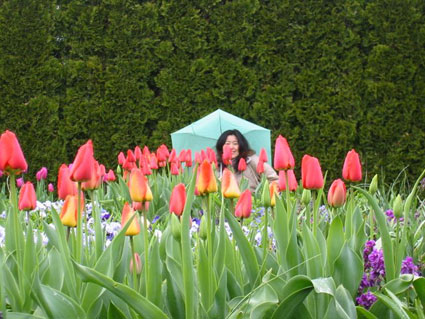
[144,165]
[20,182]
[27,197]
[227,155]
[110,176]
[95,180]
[198,158]
[130,161]
[242,165]
[311,173]
[260,167]
[146,152]
[127,213]
[398,207]
[174,169]
[50,188]
[41,174]
[121,158]
[137,153]
[153,163]
[139,187]
[182,156]
[176,227]
[211,156]
[1,173]
[244,205]
[292,181]
[69,212]
[138,264]
[306,197]
[263,155]
[265,194]
[188,159]
[162,153]
[65,185]
[373,187]
[178,199]
[229,185]
[337,193]
[83,165]
[274,188]
[173,157]
[206,182]
[283,158]
[352,169]
[12,160]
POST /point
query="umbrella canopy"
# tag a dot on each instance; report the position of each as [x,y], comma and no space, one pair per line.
[205,132]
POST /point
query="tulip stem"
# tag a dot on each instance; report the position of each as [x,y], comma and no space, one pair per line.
[288,204]
[210,253]
[78,248]
[135,284]
[315,215]
[146,246]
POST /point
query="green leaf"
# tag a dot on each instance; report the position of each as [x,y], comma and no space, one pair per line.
[139,303]
[335,242]
[21,315]
[311,253]
[348,270]
[155,272]
[362,313]
[419,285]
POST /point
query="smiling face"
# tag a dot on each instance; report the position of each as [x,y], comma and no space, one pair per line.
[232,141]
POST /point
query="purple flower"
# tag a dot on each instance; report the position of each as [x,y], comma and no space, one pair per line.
[390,214]
[50,188]
[366,300]
[408,267]
[155,219]
[20,182]
[41,174]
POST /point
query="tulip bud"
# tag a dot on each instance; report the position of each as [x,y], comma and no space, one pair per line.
[138,264]
[176,228]
[265,196]
[203,228]
[373,187]
[306,197]
[398,207]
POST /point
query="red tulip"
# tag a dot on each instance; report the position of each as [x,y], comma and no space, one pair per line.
[352,169]
[12,160]
[198,158]
[174,169]
[121,158]
[178,199]
[139,187]
[244,205]
[311,173]
[211,156]
[153,163]
[130,161]
[229,185]
[162,153]
[242,165]
[20,182]
[173,156]
[260,167]
[127,213]
[95,180]
[146,152]
[283,158]
[27,197]
[188,158]
[41,174]
[227,155]
[69,212]
[206,182]
[337,193]
[83,165]
[182,156]
[263,155]
[137,153]
[65,185]
[292,181]
[144,165]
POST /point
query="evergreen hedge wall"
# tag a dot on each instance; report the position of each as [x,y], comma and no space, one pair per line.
[328,75]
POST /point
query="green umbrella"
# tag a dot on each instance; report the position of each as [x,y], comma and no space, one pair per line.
[205,132]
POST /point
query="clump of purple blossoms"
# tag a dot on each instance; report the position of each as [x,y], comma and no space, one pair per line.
[390,216]
[374,273]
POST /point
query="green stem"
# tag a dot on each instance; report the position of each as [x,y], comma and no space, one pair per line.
[315,215]
[210,252]
[146,247]
[288,203]
[265,234]
[78,248]
[135,284]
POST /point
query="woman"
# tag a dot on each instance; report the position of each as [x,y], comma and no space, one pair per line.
[240,149]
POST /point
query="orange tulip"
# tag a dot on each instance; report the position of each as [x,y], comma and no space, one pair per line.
[139,187]
[65,185]
[127,213]
[292,181]
[283,158]
[83,165]
[12,160]
[352,169]
[178,199]
[242,165]
[244,205]
[206,182]
[27,197]
[229,185]
[273,188]
[69,212]
[311,173]
[337,193]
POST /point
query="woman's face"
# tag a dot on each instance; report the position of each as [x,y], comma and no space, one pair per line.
[232,141]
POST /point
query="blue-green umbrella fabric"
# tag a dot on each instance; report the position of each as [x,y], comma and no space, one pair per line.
[205,132]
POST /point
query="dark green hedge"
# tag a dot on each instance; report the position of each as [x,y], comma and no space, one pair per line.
[328,75]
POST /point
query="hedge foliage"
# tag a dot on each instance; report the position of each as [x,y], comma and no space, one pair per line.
[328,75]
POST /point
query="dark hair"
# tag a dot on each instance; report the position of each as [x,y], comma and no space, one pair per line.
[244,148]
